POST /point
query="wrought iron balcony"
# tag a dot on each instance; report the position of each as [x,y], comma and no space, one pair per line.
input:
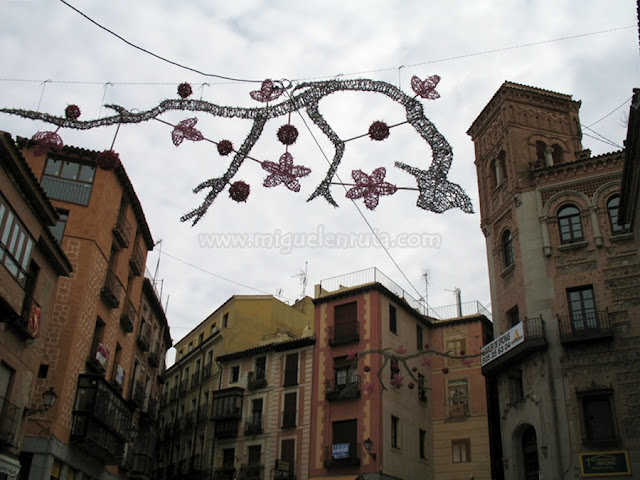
[143,338]
[345,390]
[254,425]
[227,428]
[585,327]
[122,230]
[101,420]
[112,290]
[342,454]
[189,419]
[284,470]
[128,317]
[256,380]
[9,418]
[344,333]
[195,379]
[534,340]
[153,359]
[173,394]
[203,412]
[136,262]
[206,372]
[251,472]
[224,473]
[137,394]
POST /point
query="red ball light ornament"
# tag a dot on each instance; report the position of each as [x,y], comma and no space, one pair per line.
[367,368]
[426,346]
[184,90]
[107,160]
[225,147]
[72,112]
[239,191]
[378,131]
[445,370]
[287,134]
[410,385]
[414,369]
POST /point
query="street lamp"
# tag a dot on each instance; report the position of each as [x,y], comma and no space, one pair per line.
[368,445]
[48,399]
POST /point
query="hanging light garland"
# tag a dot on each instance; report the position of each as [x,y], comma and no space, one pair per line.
[435,192]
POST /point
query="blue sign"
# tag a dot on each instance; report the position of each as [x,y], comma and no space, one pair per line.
[340,450]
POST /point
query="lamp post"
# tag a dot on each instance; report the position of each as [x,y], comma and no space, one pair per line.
[48,399]
[368,445]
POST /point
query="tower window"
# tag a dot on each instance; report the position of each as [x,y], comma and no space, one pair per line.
[507,248]
[570,224]
[613,208]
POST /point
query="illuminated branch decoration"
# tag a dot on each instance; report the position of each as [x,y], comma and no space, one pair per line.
[399,362]
[436,192]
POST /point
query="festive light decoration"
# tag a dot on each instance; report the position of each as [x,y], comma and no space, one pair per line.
[184,90]
[239,191]
[72,112]
[370,187]
[46,142]
[108,160]
[225,147]
[379,131]
[185,129]
[284,172]
[436,192]
[287,134]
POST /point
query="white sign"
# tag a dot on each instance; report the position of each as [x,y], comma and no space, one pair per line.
[501,345]
[340,450]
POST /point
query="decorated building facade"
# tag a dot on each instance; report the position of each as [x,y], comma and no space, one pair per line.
[31,263]
[94,346]
[397,394]
[565,288]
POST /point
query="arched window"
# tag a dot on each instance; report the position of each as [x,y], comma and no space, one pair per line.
[557,154]
[570,224]
[507,248]
[613,207]
[530,454]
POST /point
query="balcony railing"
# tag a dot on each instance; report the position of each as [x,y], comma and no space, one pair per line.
[122,230]
[143,338]
[585,326]
[226,428]
[224,473]
[254,425]
[251,472]
[67,190]
[183,386]
[342,454]
[173,394]
[128,317]
[189,419]
[461,410]
[112,290]
[344,390]
[137,394]
[136,262]
[534,340]
[284,470]
[344,333]
[256,380]
[8,421]
[206,372]
[203,412]
[195,379]
[289,418]
[153,359]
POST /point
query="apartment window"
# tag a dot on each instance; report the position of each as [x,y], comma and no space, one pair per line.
[346,432]
[455,346]
[345,319]
[513,316]
[290,410]
[343,374]
[15,243]
[228,458]
[393,320]
[68,181]
[422,390]
[395,432]
[291,370]
[613,208]
[598,423]
[419,338]
[214,329]
[256,413]
[507,248]
[458,398]
[61,225]
[422,443]
[255,452]
[516,389]
[570,224]
[461,450]
[225,320]
[582,308]
[235,374]
[200,338]
[288,453]
[261,366]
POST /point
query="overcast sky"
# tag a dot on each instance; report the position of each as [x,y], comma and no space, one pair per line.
[588,49]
